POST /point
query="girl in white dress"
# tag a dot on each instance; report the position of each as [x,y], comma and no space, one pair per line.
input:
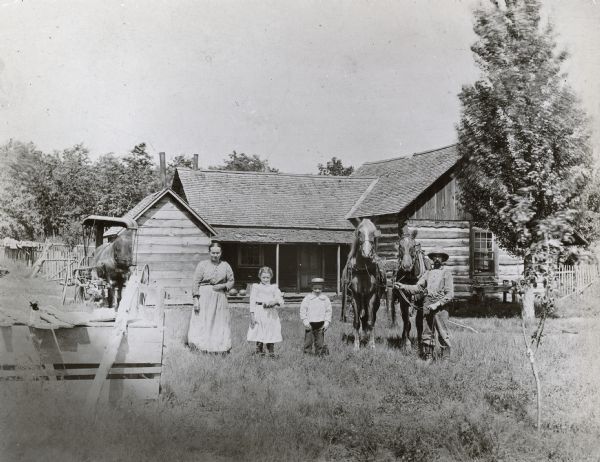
[265,326]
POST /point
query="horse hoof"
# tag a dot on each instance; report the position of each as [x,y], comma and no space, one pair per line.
[356,347]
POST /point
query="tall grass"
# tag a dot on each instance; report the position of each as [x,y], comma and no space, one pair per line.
[371,405]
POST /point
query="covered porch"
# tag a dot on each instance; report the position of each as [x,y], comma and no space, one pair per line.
[294,264]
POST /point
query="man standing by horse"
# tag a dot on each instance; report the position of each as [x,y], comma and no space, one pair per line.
[437,284]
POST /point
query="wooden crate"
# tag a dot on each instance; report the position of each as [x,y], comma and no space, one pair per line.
[70,357]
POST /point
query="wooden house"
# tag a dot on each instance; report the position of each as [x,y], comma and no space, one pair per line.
[421,191]
[293,223]
[172,239]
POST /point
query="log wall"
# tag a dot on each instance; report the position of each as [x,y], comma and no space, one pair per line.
[452,236]
[171,243]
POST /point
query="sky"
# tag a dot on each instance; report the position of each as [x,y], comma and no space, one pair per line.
[295,82]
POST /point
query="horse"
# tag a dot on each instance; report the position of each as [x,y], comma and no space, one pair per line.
[112,262]
[364,279]
[411,266]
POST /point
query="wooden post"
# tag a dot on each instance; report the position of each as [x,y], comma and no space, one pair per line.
[128,300]
[277,264]
[338,268]
[99,234]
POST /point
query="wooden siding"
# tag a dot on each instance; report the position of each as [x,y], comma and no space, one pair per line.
[510,268]
[441,203]
[171,243]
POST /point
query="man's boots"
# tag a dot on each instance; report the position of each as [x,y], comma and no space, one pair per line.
[445,352]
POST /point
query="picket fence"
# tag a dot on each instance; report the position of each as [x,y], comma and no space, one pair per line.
[574,279]
[56,261]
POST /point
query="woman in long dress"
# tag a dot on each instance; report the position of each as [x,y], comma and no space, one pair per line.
[210,328]
[265,327]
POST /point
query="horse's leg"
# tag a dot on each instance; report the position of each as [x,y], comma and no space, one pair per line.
[405,311]
[356,321]
[389,301]
[372,313]
[344,295]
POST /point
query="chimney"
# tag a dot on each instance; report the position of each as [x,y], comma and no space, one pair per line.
[195,163]
[163,170]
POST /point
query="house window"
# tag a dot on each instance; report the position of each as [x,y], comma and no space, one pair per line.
[484,257]
[250,255]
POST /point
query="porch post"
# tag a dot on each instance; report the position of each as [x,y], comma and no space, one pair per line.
[99,234]
[277,264]
[338,269]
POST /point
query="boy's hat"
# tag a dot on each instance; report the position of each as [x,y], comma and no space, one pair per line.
[314,281]
[438,251]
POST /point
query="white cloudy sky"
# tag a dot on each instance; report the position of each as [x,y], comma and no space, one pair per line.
[292,81]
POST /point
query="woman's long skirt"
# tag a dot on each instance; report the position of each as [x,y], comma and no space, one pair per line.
[210,328]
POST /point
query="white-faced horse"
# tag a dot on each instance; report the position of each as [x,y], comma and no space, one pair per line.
[364,281]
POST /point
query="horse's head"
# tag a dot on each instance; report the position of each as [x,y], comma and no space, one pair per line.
[366,232]
[407,251]
[123,249]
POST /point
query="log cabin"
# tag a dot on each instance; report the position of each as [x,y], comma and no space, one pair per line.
[293,223]
[421,191]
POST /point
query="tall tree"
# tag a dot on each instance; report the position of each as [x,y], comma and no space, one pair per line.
[522,135]
[244,163]
[335,167]
[525,144]
[140,176]
[19,216]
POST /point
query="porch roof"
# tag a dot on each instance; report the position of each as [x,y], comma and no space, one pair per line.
[283,235]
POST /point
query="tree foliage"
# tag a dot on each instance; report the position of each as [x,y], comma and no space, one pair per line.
[244,163]
[522,135]
[335,167]
[47,195]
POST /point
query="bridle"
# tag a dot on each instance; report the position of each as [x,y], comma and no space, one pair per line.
[417,253]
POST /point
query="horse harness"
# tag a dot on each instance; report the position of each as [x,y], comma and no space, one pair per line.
[412,306]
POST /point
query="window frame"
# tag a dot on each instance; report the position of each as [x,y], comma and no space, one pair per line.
[475,250]
[261,256]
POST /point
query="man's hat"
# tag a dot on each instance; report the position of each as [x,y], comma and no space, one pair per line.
[438,251]
[314,281]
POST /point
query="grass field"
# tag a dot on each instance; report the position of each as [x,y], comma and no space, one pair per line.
[371,405]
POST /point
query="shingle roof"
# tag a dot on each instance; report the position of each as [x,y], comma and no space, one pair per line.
[275,200]
[401,180]
[284,235]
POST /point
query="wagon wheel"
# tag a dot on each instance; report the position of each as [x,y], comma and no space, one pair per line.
[144,285]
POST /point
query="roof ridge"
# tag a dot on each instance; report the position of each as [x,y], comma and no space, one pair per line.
[408,156]
[304,175]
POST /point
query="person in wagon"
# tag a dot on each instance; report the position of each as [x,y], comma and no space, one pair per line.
[265,327]
[437,285]
[210,329]
[315,313]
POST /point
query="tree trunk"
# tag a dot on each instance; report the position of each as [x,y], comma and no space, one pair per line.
[528,304]
[527,300]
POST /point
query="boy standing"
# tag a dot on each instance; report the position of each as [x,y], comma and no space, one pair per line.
[315,313]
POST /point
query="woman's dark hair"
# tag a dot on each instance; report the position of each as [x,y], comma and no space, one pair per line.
[214,244]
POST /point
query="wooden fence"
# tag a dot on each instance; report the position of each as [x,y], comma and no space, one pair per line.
[574,279]
[56,261]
